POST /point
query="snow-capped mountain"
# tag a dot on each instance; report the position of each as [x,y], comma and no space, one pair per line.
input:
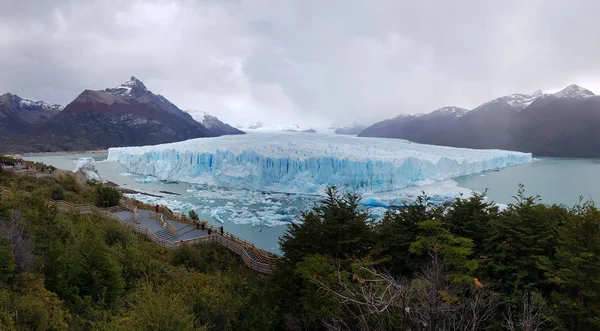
[285,128]
[135,90]
[18,115]
[213,123]
[132,88]
[354,129]
[566,123]
[574,92]
[46,107]
[517,101]
[521,101]
[452,111]
[127,115]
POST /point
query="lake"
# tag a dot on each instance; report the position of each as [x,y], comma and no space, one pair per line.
[555,180]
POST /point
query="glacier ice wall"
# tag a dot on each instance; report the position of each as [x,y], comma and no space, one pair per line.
[306,163]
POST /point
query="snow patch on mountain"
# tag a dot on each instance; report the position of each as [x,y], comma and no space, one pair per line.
[41,104]
[354,129]
[128,88]
[574,92]
[521,101]
[408,116]
[452,110]
[204,118]
[213,123]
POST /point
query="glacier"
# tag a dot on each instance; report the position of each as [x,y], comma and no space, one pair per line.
[307,163]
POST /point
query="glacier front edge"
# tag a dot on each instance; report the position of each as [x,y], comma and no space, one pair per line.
[307,163]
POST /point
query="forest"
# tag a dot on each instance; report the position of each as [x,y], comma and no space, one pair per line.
[467,265]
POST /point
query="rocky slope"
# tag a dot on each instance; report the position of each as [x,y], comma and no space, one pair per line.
[212,123]
[127,115]
[18,115]
[353,129]
[565,123]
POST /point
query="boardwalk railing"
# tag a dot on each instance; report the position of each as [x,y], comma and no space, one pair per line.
[259,266]
[262,255]
[171,228]
[262,262]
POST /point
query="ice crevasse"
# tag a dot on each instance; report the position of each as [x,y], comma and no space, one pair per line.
[307,163]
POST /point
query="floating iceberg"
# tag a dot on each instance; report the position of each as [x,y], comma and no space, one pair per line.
[87,167]
[302,163]
[148,179]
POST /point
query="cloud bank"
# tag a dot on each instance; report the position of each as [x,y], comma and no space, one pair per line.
[300,61]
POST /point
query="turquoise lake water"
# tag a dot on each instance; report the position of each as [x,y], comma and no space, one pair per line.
[555,180]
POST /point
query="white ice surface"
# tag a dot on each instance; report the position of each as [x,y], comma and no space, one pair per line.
[307,163]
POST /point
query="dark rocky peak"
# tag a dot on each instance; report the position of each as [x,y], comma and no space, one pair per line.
[9,98]
[102,97]
[132,88]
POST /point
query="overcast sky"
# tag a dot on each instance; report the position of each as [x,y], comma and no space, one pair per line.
[300,61]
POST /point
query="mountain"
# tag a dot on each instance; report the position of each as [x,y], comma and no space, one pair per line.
[213,123]
[353,129]
[18,115]
[427,128]
[127,115]
[565,123]
[260,127]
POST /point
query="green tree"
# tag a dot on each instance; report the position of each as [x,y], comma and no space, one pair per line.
[7,261]
[335,228]
[106,193]
[521,245]
[399,229]
[317,272]
[156,309]
[471,218]
[97,273]
[58,193]
[37,308]
[577,271]
[437,242]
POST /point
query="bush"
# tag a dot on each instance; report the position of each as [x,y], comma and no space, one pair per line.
[193,215]
[69,183]
[110,194]
[57,193]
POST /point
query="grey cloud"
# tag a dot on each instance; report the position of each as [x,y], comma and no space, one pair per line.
[302,61]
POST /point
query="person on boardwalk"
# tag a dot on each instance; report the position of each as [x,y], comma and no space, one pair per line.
[209,231]
[157,208]
[221,228]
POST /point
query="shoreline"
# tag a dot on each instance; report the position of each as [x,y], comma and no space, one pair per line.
[20,155]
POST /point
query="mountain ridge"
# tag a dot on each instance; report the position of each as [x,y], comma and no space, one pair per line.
[540,123]
[18,114]
[126,115]
[213,123]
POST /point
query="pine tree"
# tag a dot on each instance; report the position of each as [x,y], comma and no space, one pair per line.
[577,271]
[399,229]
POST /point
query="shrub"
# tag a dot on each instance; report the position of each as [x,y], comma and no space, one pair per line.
[57,193]
[110,194]
[193,215]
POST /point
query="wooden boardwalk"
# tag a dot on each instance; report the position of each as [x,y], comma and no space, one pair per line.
[169,230]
